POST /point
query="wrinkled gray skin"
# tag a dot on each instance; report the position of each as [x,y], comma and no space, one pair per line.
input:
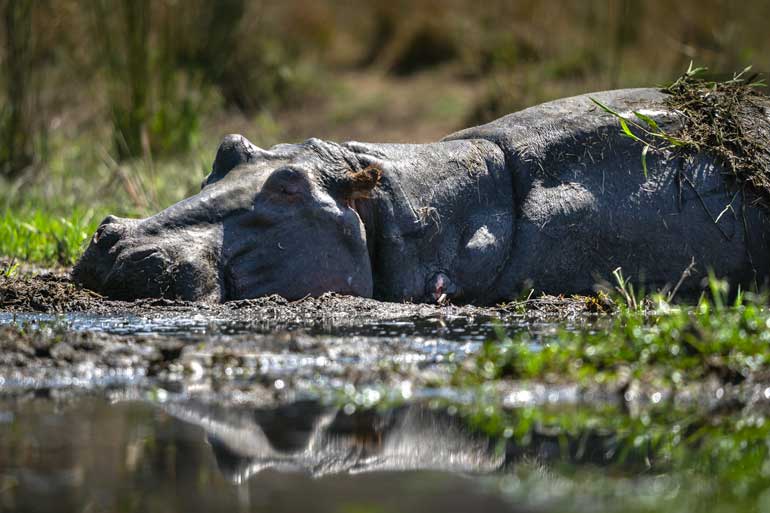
[552,198]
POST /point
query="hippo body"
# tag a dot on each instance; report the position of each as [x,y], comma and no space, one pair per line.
[552,198]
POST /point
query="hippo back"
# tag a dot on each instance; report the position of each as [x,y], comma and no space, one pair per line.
[587,204]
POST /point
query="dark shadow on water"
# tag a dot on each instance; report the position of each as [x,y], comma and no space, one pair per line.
[314,440]
[308,438]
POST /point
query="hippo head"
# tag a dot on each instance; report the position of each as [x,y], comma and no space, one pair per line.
[278,221]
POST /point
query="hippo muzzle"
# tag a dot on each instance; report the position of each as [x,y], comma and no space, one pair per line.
[125,260]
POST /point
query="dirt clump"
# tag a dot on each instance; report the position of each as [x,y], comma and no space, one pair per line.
[46,292]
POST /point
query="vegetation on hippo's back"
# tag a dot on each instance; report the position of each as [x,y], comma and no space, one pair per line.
[729,119]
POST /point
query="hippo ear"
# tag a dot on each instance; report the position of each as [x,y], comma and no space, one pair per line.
[359,184]
[233,151]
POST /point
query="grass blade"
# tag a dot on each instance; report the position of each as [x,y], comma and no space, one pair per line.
[627,131]
[606,109]
[647,119]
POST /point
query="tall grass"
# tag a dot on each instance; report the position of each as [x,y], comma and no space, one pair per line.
[16,152]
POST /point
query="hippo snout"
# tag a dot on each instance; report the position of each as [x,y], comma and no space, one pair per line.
[98,260]
[125,261]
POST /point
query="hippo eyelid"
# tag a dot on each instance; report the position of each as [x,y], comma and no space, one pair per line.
[287,180]
[288,172]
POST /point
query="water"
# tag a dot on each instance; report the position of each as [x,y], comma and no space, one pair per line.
[187,325]
[127,450]
[345,418]
[140,444]
[94,455]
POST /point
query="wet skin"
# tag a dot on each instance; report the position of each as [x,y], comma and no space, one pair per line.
[552,198]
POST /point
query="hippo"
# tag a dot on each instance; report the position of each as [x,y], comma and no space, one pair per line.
[549,199]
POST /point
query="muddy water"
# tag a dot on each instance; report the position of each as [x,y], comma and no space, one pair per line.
[94,455]
[460,328]
[141,444]
[341,406]
[243,414]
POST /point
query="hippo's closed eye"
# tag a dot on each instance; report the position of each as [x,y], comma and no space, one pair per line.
[288,182]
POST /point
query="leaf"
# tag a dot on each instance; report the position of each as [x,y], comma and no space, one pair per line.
[695,71]
[29,227]
[644,159]
[606,108]
[650,122]
[738,77]
[628,132]
[673,141]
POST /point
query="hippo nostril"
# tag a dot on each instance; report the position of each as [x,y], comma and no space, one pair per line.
[110,230]
[110,219]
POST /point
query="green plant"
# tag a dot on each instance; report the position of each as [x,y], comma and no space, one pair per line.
[724,118]
[667,346]
[626,290]
[10,268]
[653,136]
[40,237]
[153,108]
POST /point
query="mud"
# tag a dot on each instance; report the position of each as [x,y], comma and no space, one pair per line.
[268,370]
[233,402]
[54,292]
[56,336]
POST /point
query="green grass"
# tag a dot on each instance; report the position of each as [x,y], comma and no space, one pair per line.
[78,187]
[640,454]
[40,237]
[660,459]
[667,346]
[653,453]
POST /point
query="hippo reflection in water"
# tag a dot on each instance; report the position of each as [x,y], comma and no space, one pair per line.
[318,440]
[553,198]
[310,438]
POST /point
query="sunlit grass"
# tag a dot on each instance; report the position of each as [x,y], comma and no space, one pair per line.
[668,345]
[631,452]
[40,237]
[605,459]
[46,217]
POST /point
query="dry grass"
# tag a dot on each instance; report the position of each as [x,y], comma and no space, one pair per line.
[731,120]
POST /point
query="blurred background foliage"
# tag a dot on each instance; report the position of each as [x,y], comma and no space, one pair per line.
[119,104]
